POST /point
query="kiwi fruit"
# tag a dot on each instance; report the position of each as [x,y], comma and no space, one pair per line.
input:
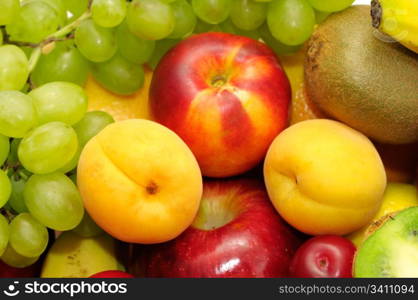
[392,249]
[359,78]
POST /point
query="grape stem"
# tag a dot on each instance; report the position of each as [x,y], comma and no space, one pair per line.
[68,28]
[22,174]
[7,214]
[34,58]
[55,37]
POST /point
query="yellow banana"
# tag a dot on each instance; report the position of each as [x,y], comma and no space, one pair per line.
[398,19]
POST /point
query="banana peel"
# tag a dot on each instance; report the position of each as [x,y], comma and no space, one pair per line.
[397,19]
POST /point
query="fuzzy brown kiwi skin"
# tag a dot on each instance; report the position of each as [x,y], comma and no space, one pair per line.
[376,13]
[362,81]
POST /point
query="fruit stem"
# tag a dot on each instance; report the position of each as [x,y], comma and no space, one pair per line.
[7,214]
[23,175]
[34,58]
[68,28]
[57,36]
[218,81]
[376,13]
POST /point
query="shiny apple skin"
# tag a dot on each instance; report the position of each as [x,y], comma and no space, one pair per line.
[255,243]
[112,274]
[226,96]
[327,256]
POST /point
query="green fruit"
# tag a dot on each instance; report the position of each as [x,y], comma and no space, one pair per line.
[54,201]
[72,256]
[361,80]
[119,75]
[87,227]
[14,259]
[392,250]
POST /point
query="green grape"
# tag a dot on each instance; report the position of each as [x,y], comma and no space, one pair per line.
[17,114]
[161,48]
[291,21]
[64,63]
[92,123]
[4,234]
[275,45]
[330,5]
[8,11]
[4,148]
[14,68]
[12,159]
[48,148]
[54,201]
[35,21]
[16,201]
[59,101]
[320,16]
[87,227]
[185,19]
[72,164]
[28,237]
[27,50]
[26,88]
[75,8]
[212,11]
[5,188]
[229,27]
[202,27]
[247,14]
[132,47]
[119,75]
[14,259]
[108,13]
[96,43]
[57,5]
[150,19]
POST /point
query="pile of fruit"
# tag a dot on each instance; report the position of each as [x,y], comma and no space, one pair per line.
[208,138]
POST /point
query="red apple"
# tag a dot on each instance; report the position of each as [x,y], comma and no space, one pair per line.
[237,233]
[328,256]
[7,271]
[226,96]
[112,274]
